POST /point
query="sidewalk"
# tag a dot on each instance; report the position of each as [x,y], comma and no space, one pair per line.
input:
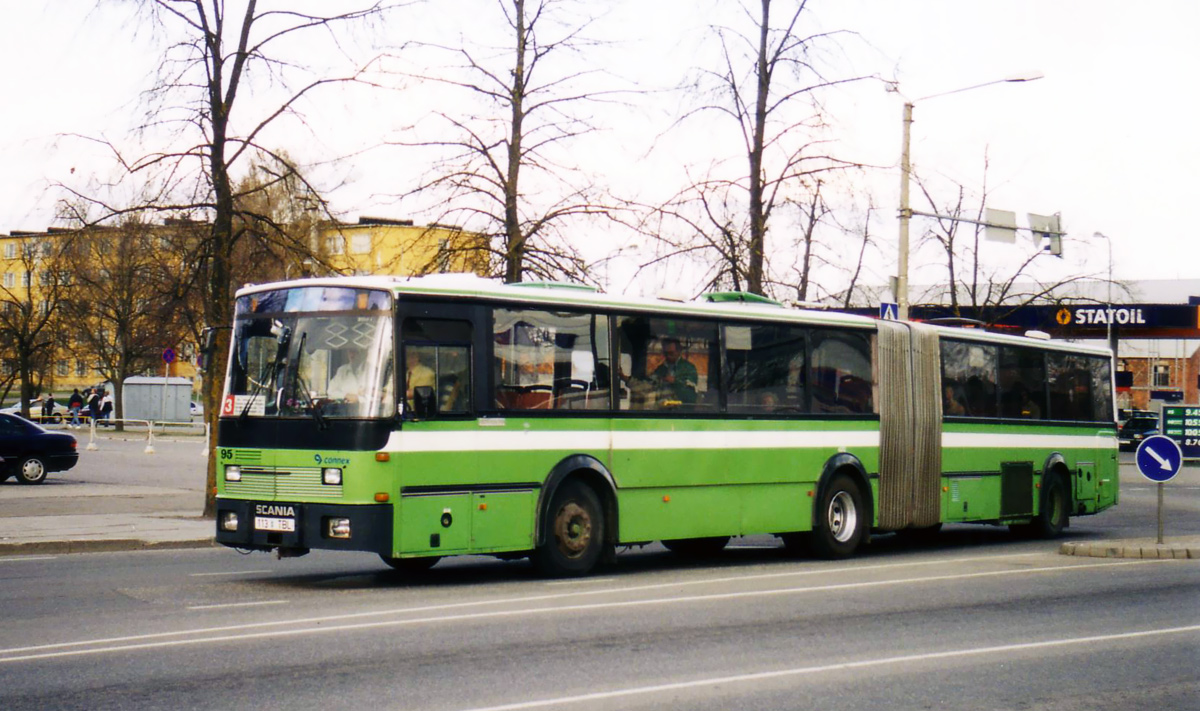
[116,499]
[1171,547]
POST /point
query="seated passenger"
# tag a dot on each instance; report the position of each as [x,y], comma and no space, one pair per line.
[416,373]
[676,375]
[346,384]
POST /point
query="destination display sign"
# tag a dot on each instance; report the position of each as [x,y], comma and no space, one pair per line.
[1182,424]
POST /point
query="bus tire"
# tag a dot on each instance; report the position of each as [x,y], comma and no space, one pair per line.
[573,537]
[412,566]
[697,547]
[841,519]
[1053,510]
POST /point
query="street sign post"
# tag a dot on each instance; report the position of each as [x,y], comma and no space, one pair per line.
[888,310]
[168,359]
[1159,460]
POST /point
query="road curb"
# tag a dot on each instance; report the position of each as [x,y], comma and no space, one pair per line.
[106,545]
[1132,549]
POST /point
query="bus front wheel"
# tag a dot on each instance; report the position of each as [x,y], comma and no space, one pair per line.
[573,532]
[841,520]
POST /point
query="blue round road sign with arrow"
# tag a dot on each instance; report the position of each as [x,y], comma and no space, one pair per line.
[1159,458]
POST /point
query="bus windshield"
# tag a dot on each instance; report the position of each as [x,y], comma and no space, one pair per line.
[312,352]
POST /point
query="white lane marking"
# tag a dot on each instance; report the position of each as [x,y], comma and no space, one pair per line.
[588,607]
[584,581]
[839,666]
[237,604]
[230,572]
[23,558]
[523,599]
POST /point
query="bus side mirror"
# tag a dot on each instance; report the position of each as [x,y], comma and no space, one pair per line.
[424,402]
[208,344]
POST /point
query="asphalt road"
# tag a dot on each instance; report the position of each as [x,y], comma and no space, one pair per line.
[975,620]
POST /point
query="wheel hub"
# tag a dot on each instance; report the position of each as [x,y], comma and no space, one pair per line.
[573,529]
[843,517]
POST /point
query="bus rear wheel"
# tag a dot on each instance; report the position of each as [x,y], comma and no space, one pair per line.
[841,520]
[573,532]
[1053,510]
[697,547]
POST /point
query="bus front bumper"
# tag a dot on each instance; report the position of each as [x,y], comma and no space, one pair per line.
[267,525]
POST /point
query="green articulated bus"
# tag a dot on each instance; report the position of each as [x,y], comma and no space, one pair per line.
[424,417]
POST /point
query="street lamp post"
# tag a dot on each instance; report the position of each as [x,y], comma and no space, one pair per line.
[1111,343]
[905,174]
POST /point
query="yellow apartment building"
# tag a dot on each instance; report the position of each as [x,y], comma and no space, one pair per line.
[369,245]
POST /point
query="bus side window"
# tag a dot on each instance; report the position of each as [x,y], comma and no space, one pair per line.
[668,364]
[1102,403]
[841,372]
[766,369]
[1022,383]
[436,354]
[547,360]
[968,379]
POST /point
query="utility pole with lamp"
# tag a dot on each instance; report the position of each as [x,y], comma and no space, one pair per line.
[906,212]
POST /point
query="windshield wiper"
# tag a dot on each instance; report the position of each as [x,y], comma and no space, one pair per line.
[302,386]
[260,384]
[282,340]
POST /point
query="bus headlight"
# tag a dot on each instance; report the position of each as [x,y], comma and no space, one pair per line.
[229,521]
[331,476]
[338,527]
[233,473]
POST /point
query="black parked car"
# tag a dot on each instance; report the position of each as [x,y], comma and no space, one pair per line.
[1136,429]
[30,452]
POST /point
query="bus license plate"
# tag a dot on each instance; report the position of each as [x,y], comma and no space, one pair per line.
[264,523]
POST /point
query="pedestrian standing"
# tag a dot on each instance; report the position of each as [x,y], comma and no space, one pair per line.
[75,404]
[106,405]
[93,404]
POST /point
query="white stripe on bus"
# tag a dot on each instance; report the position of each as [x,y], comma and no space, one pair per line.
[1003,440]
[623,440]
[593,440]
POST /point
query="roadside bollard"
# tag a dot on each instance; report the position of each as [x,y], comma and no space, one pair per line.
[91,445]
[204,449]
[149,438]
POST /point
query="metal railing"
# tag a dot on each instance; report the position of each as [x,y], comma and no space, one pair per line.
[149,426]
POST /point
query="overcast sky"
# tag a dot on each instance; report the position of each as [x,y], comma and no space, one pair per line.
[1108,137]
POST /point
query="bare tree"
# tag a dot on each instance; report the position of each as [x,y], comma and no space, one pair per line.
[768,86]
[213,61]
[505,170]
[116,306]
[30,301]
[977,287]
[863,234]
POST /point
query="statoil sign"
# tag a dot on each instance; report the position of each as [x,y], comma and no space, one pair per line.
[1101,316]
